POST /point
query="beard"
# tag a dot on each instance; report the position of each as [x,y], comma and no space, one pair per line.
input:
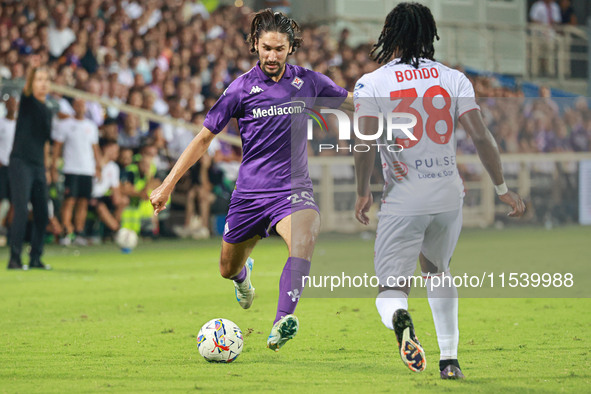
[276,73]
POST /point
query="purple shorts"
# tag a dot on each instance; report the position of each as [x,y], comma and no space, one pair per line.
[250,215]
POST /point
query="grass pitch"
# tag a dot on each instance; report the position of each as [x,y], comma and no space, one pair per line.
[103,321]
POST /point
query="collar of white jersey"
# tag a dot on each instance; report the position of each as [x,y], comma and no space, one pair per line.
[421,60]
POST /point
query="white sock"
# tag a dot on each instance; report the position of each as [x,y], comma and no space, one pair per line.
[443,299]
[388,302]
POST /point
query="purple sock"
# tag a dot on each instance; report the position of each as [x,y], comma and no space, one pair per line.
[241,276]
[291,285]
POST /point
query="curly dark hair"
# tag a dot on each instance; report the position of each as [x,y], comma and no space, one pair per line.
[410,29]
[266,21]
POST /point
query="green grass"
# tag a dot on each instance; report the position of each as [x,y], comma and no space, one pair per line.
[103,321]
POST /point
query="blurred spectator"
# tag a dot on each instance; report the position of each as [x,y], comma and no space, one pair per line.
[7,129]
[545,13]
[78,137]
[130,136]
[137,182]
[107,201]
[124,160]
[198,191]
[567,13]
[94,110]
[110,130]
[90,60]
[177,138]
[60,36]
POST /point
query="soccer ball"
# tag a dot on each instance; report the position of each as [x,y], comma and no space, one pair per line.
[220,341]
[126,239]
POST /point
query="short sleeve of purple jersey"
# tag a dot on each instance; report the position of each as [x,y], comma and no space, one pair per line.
[227,107]
[329,93]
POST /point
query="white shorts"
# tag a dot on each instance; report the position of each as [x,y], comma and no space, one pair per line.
[400,239]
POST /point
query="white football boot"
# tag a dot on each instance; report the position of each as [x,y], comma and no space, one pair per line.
[284,330]
[245,291]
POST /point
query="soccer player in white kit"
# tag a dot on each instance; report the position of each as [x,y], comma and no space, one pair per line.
[421,211]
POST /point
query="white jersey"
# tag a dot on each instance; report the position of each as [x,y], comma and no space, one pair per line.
[422,178]
[78,137]
[7,128]
[109,180]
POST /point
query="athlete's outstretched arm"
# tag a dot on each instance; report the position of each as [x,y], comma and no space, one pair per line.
[192,153]
[364,162]
[33,65]
[489,156]
[348,104]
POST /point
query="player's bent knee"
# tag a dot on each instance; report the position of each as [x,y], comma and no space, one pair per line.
[427,265]
[229,270]
[303,247]
[226,272]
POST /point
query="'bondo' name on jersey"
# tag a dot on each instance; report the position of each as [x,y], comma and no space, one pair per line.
[424,73]
[289,108]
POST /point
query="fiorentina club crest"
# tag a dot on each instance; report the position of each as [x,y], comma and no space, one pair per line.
[297,82]
[294,294]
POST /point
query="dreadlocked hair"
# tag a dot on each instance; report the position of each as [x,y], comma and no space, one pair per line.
[409,29]
[269,21]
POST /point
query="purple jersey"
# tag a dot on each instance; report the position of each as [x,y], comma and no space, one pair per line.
[274,159]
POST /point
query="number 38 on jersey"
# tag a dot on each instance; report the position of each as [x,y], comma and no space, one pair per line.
[436,104]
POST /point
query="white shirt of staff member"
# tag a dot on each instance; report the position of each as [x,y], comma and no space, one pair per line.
[7,127]
[78,137]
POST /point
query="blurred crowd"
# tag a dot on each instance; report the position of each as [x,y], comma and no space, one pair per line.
[543,124]
[176,57]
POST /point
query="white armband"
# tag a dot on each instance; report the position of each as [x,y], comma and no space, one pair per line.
[501,189]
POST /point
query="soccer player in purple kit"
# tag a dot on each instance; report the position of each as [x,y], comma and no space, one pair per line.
[273,189]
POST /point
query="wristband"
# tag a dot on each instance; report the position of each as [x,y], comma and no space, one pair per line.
[501,189]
